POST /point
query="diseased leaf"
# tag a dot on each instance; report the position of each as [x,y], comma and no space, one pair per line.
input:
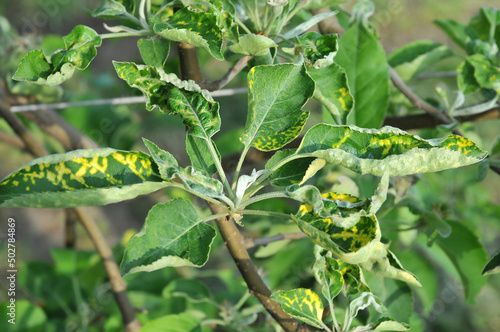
[81,178]
[333,91]
[373,151]
[384,263]
[81,44]
[364,60]
[302,304]
[154,51]
[199,29]
[252,44]
[276,96]
[486,74]
[468,256]
[327,273]
[172,235]
[192,179]
[171,95]
[493,265]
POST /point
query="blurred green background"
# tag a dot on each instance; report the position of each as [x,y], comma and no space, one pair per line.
[70,286]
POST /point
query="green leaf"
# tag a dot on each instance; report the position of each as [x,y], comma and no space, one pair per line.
[388,324]
[493,265]
[362,302]
[80,49]
[467,83]
[458,32]
[290,173]
[316,4]
[302,304]
[171,95]
[496,147]
[185,322]
[373,151]
[200,157]
[110,9]
[486,74]
[363,58]
[28,316]
[485,23]
[303,27]
[332,90]
[80,178]
[191,289]
[172,235]
[318,49]
[192,179]
[195,28]
[276,96]
[327,273]
[154,51]
[416,57]
[468,256]
[251,44]
[383,262]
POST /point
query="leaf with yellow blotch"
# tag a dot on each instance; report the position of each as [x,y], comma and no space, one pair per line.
[301,303]
[81,178]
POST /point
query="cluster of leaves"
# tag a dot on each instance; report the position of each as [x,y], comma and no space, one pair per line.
[337,71]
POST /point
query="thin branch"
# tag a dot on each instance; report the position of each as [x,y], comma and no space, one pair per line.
[330,25]
[228,77]
[419,103]
[424,120]
[12,140]
[264,241]
[117,283]
[236,245]
[111,101]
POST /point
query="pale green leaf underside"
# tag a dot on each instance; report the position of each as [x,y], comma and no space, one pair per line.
[255,45]
[301,303]
[171,236]
[370,151]
[276,96]
[81,178]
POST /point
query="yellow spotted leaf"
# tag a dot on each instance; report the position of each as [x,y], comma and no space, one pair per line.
[373,151]
[276,96]
[301,303]
[81,178]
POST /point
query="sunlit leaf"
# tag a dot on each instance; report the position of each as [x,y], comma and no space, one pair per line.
[81,178]
[80,49]
[364,60]
[290,173]
[172,235]
[112,9]
[302,304]
[332,91]
[195,28]
[277,94]
[374,151]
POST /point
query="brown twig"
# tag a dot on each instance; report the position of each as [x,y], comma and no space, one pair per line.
[236,245]
[190,68]
[232,237]
[117,283]
[12,140]
[264,241]
[424,120]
